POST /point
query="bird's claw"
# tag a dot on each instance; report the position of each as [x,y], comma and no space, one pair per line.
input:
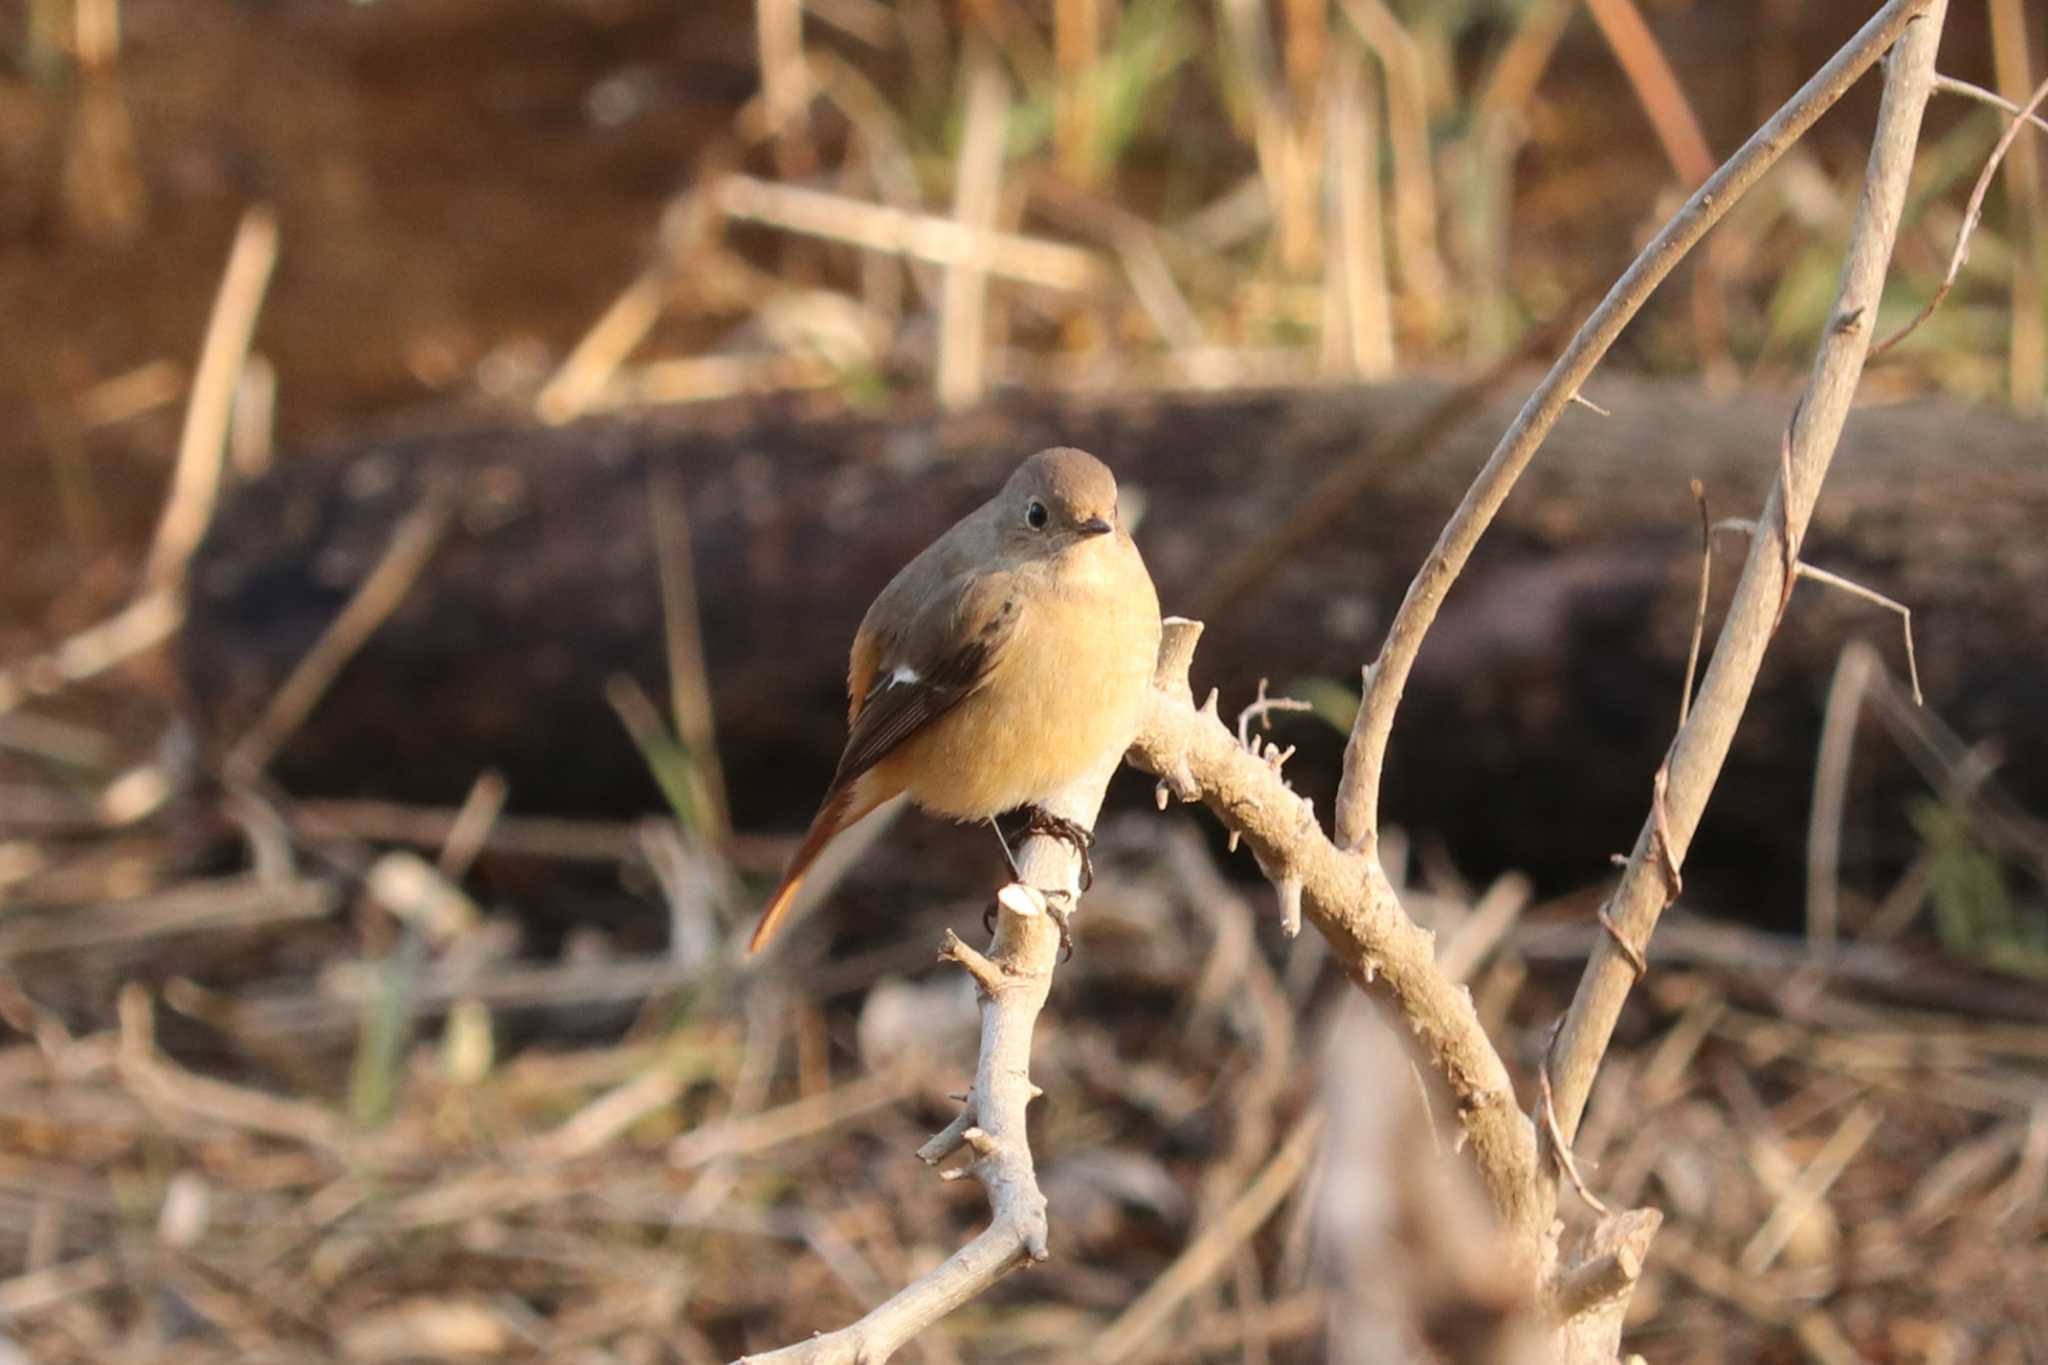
[1070,832]
[1059,907]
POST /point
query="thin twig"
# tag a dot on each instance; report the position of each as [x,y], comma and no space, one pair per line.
[1853,674]
[1971,214]
[140,626]
[1809,1189]
[779,35]
[2026,214]
[471,828]
[1284,165]
[1261,710]
[1656,85]
[1562,1149]
[1358,332]
[613,1113]
[1338,491]
[577,385]
[689,679]
[208,905]
[1854,589]
[1468,946]
[22,1295]
[1077,45]
[1949,85]
[1424,286]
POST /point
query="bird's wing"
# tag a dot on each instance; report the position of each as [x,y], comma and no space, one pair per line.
[906,680]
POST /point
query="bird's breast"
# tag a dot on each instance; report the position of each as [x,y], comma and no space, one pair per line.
[1068,690]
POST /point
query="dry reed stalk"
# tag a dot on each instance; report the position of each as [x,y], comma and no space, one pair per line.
[202,445]
[941,241]
[1358,331]
[2026,214]
[977,189]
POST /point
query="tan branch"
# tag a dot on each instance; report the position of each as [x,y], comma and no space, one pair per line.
[1696,755]
[1358,796]
[1197,757]
[1013,978]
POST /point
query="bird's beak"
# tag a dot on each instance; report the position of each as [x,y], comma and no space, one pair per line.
[1095,526]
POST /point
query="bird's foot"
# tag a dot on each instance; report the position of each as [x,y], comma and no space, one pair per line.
[1059,907]
[1070,832]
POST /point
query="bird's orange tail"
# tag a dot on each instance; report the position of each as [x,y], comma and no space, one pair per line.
[842,808]
[778,909]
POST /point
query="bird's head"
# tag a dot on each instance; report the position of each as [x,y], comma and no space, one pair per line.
[1058,499]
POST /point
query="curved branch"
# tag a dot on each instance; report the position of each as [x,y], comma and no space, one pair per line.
[1349,898]
[1358,796]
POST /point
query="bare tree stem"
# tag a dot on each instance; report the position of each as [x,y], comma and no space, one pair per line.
[1702,743]
[1358,796]
[1014,977]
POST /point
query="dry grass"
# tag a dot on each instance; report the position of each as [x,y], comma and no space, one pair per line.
[1842,1172]
[1245,195]
[303,1109]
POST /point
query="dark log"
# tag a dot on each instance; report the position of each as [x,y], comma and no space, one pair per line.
[1535,718]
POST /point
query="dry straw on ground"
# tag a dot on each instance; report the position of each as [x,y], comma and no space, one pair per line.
[1846,1163]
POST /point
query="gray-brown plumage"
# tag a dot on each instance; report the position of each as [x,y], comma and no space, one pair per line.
[1003,662]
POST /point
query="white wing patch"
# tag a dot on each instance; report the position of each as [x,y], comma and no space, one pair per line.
[903,675]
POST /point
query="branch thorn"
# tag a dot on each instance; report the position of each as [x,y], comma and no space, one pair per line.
[1290,905]
[1585,402]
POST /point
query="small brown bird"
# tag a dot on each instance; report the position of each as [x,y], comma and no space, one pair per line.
[1005,661]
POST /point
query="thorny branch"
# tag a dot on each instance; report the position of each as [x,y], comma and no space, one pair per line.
[1694,762]
[1349,898]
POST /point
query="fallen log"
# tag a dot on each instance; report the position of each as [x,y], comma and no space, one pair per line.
[1536,716]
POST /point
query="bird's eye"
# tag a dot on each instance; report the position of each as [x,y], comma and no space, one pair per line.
[1035,515]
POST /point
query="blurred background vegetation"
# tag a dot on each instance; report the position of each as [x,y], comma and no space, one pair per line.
[583,203]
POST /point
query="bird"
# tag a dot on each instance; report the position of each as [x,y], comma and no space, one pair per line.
[1011,656]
